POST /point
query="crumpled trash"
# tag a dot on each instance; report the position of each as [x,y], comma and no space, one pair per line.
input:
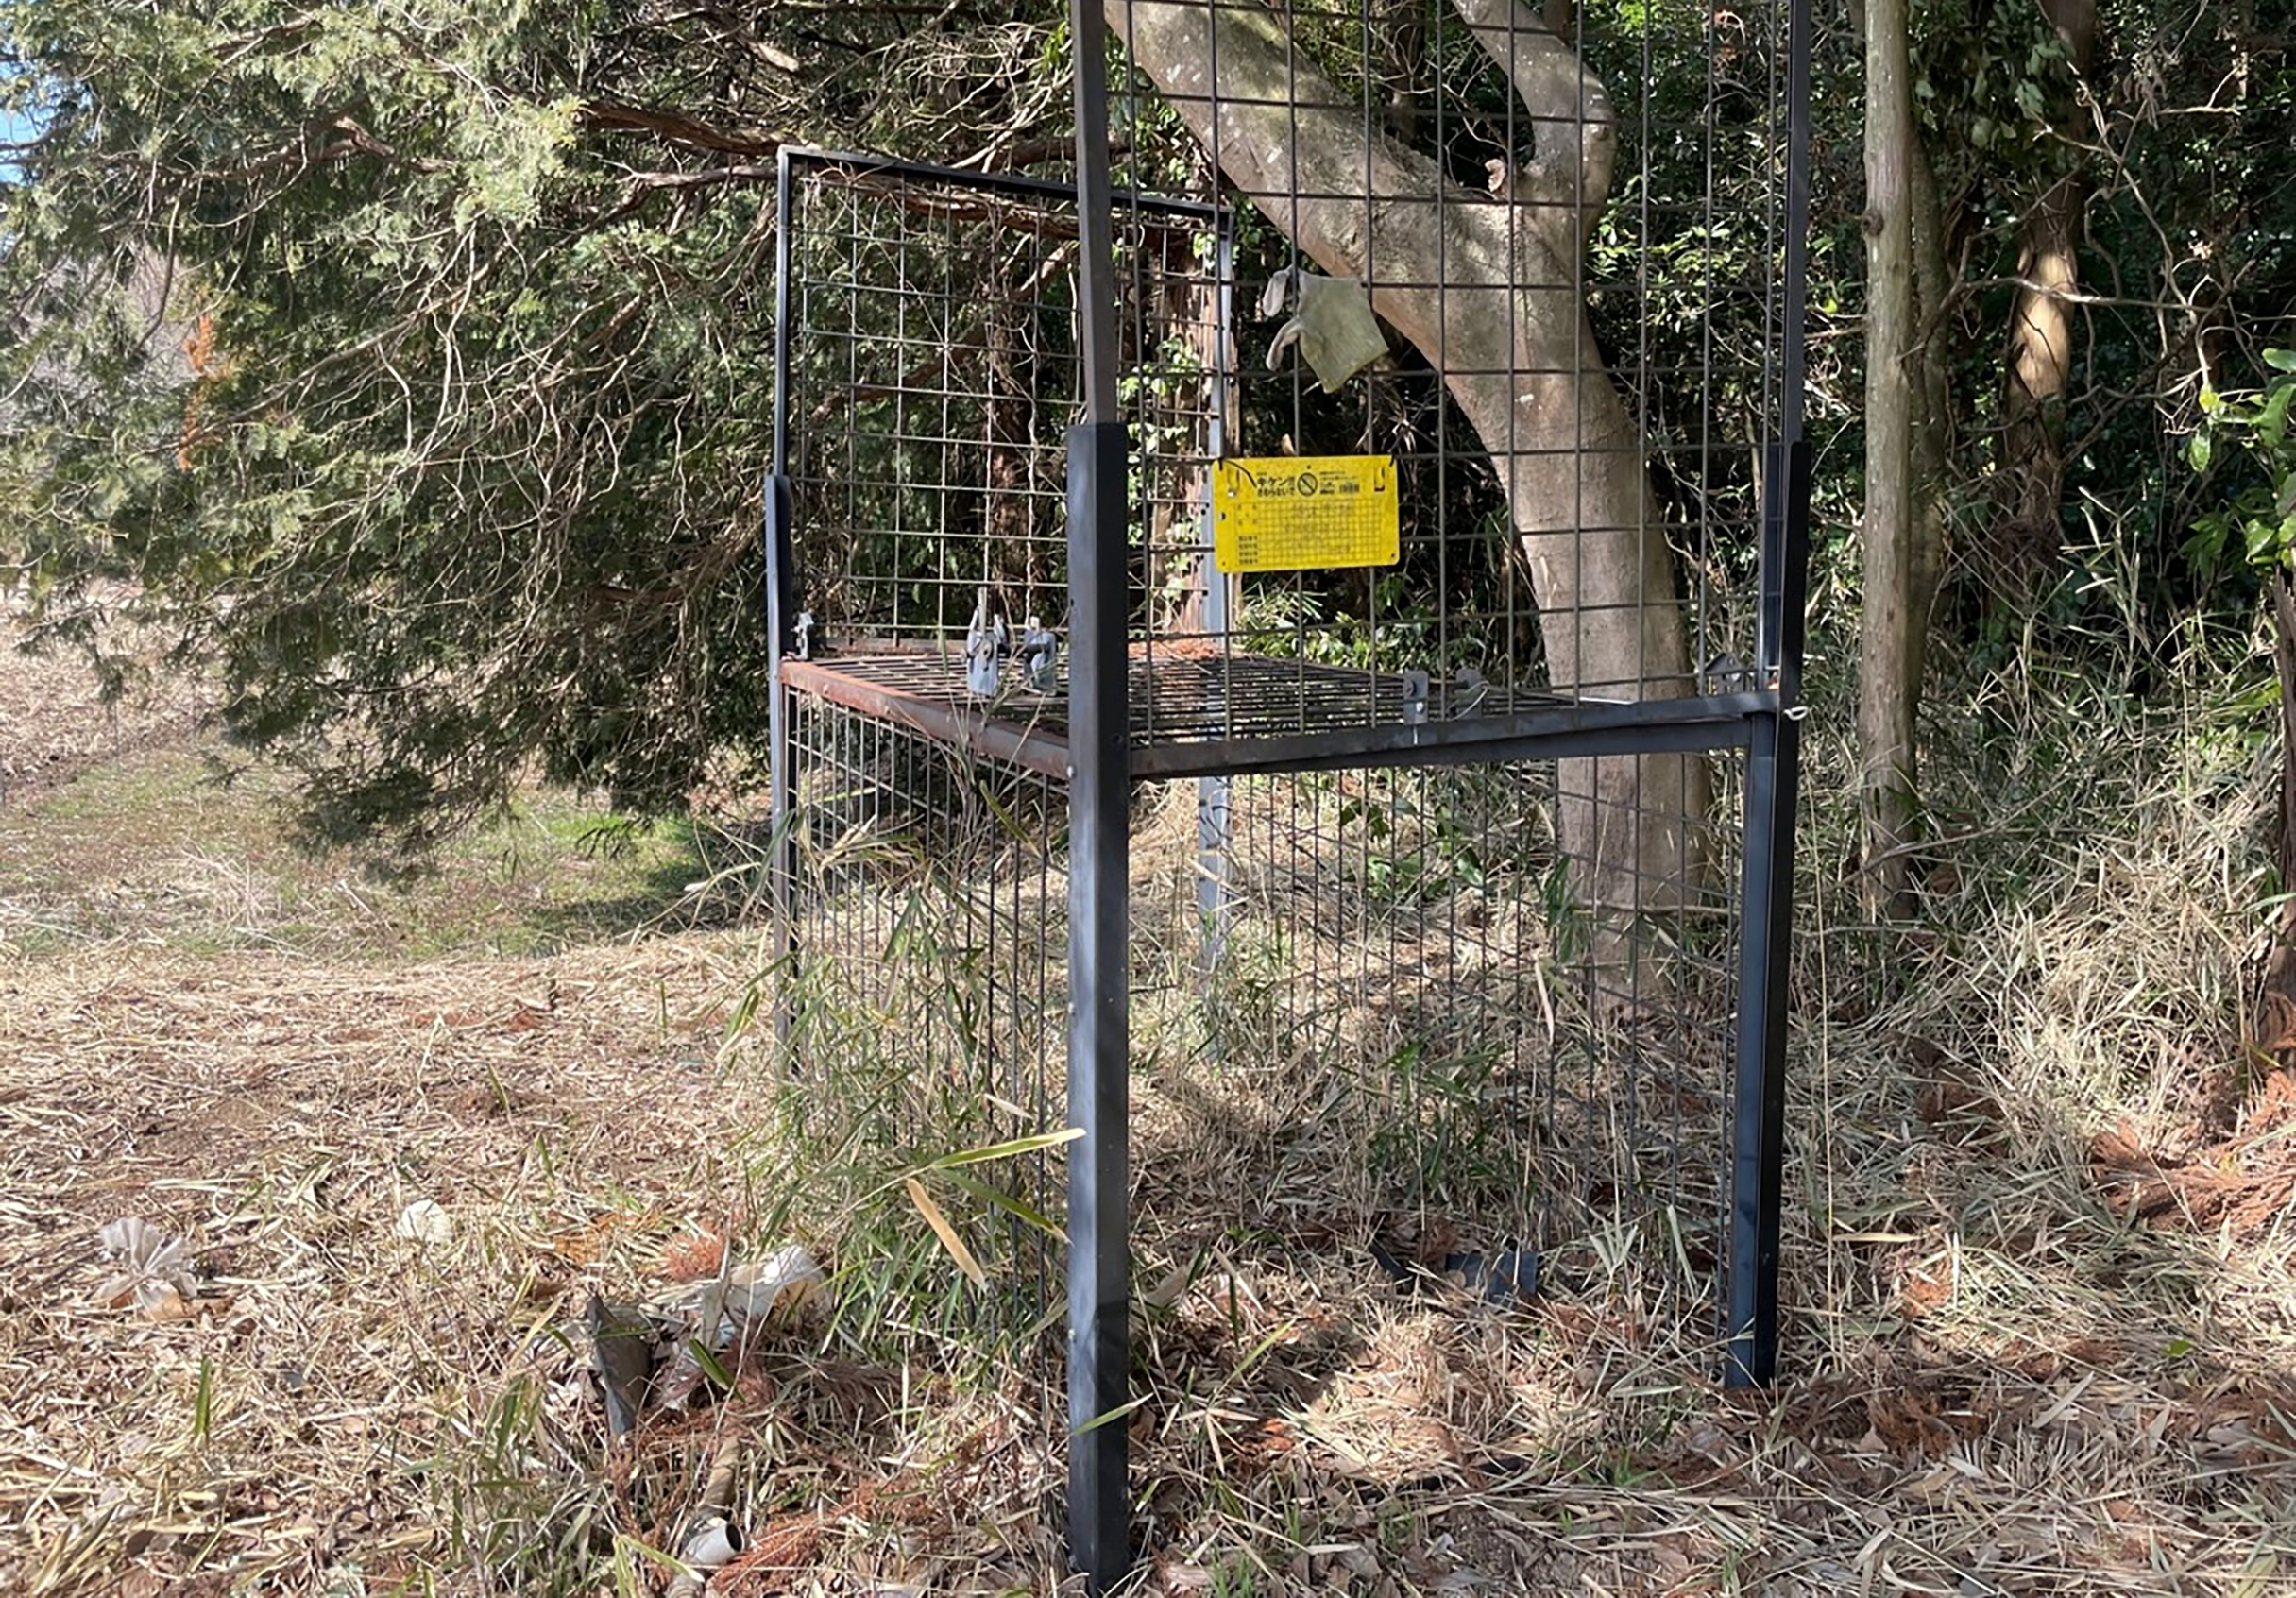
[1503,1276]
[712,1544]
[155,1276]
[624,1350]
[424,1222]
[1333,325]
[718,1313]
[655,1356]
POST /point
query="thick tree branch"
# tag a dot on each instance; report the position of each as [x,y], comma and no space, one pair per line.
[1575,128]
[673,129]
[1287,138]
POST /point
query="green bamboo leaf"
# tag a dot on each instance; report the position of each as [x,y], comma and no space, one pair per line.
[1109,1417]
[1011,1205]
[1035,1142]
[712,1367]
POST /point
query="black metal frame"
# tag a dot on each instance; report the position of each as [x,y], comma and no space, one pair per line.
[1096,747]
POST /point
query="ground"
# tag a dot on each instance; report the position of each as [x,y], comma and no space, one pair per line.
[2040,1300]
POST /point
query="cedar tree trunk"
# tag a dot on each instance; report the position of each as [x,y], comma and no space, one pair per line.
[1497,288]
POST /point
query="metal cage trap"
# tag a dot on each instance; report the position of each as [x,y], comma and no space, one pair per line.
[1336,594]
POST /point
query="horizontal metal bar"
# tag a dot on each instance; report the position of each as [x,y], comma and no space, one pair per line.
[1657,739]
[1603,727]
[1039,742]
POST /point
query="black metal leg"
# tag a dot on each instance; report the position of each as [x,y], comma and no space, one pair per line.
[1766,931]
[1099,1240]
[1099,791]
[1758,1166]
[781,601]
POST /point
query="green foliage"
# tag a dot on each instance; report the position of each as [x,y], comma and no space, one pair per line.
[2255,528]
[415,362]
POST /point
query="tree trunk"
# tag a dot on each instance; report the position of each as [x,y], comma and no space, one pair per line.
[2037,369]
[1885,723]
[2271,1023]
[1932,427]
[1497,289]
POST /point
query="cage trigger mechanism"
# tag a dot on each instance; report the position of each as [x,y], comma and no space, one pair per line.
[986,642]
[1040,656]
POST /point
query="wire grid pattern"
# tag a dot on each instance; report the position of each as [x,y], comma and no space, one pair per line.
[1494,1064]
[925,913]
[933,369]
[1579,512]
[1517,1073]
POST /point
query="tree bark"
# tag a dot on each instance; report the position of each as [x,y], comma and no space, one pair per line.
[2037,367]
[1931,448]
[1885,693]
[1491,294]
[2271,1024]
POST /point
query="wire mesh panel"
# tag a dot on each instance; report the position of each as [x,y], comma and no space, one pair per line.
[930,368]
[1396,949]
[1543,276]
[1483,1077]
[925,905]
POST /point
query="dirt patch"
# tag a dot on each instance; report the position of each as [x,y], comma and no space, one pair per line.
[55,719]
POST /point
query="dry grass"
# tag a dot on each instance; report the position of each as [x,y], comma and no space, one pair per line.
[2006,1376]
[60,720]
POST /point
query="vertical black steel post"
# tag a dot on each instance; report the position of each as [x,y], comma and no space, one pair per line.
[1772,788]
[781,602]
[1099,1226]
[1766,922]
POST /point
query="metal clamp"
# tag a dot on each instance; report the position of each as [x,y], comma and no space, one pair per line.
[986,642]
[1040,657]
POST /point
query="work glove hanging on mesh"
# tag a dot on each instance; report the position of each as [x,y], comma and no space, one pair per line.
[1331,323]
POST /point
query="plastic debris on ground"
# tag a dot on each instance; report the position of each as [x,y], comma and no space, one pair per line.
[155,1275]
[424,1222]
[659,1355]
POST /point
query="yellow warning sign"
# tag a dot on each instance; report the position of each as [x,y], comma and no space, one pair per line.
[1302,513]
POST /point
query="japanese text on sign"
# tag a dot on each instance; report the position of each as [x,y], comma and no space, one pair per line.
[1288,513]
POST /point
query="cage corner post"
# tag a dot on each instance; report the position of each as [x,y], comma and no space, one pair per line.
[1099,1342]
[1773,787]
[783,598]
[1759,1107]
[781,602]
[1772,792]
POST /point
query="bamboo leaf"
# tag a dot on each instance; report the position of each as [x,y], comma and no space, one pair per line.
[947,1233]
[1033,1143]
[712,1367]
[1109,1417]
[1008,1203]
